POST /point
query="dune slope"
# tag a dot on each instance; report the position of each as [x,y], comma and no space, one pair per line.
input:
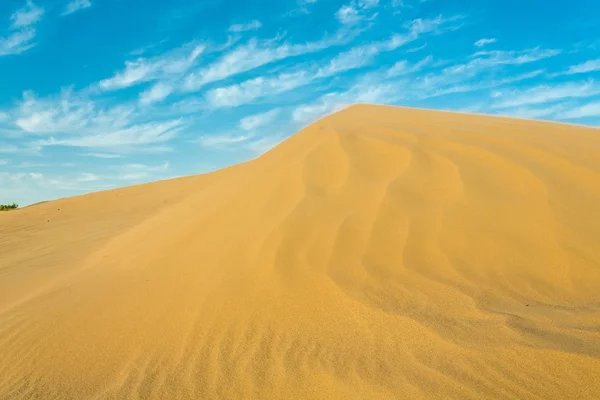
[381,253]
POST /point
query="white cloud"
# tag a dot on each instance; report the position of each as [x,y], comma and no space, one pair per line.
[415,49]
[485,41]
[357,57]
[17,42]
[403,68]
[146,168]
[137,135]
[3,162]
[484,60]
[77,121]
[26,16]
[23,32]
[548,93]
[102,155]
[588,66]
[356,11]
[258,120]
[87,177]
[137,172]
[586,110]
[26,164]
[250,90]
[76,5]
[533,113]
[156,93]
[67,114]
[249,26]
[432,89]
[255,54]
[354,58]
[170,64]
[476,74]
[420,26]
[222,140]
[500,57]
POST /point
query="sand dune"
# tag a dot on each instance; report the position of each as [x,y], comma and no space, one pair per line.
[381,253]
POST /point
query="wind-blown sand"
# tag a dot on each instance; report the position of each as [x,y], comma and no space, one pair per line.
[381,253]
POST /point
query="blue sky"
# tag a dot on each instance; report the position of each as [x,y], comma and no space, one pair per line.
[97,94]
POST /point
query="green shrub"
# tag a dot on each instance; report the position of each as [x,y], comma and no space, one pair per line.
[8,207]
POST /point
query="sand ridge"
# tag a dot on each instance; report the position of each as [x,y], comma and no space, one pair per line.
[380,253]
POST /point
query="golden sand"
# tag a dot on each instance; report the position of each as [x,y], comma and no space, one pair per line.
[381,253]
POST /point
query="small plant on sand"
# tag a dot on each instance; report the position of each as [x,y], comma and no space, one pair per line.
[8,207]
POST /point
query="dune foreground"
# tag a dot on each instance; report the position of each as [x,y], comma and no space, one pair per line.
[381,253]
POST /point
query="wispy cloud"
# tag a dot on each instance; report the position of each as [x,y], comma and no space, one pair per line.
[222,141]
[485,41]
[533,113]
[357,57]
[548,93]
[76,5]
[357,11]
[583,111]
[144,168]
[87,177]
[417,27]
[250,90]
[26,16]
[165,66]
[76,121]
[430,89]
[403,68]
[415,49]
[23,33]
[252,55]
[102,155]
[156,93]
[354,58]
[583,68]
[17,42]
[137,135]
[67,113]
[249,26]
[489,59]
[478,73]
[257,120]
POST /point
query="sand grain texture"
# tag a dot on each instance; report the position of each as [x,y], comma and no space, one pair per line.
[381,253]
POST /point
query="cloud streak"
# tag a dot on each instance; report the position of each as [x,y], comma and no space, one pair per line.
[549,93]
[23,33]
[76,5]
[484,42]
[169,65]
[249,26]
[26,16]
[254,54]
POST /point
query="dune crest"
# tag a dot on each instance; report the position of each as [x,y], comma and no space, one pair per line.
[381,253]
